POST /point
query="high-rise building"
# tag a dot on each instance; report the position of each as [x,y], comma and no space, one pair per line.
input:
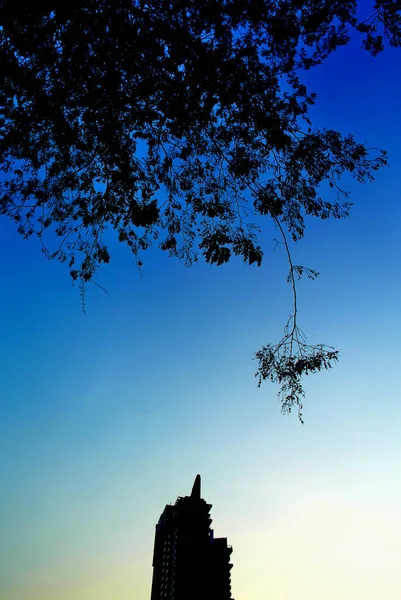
[189,563]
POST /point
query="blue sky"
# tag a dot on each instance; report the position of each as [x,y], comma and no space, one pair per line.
[106,417]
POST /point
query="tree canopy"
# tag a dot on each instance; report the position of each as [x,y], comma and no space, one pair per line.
[179,123]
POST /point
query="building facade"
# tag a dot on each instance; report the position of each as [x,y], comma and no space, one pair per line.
[189,563]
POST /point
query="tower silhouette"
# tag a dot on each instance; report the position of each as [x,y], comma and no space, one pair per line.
[189,563]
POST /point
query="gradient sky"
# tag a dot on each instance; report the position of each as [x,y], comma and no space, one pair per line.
[107,417]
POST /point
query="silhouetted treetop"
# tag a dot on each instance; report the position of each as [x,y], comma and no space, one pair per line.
[175,122]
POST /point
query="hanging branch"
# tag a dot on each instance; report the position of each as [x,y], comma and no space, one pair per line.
[288,361]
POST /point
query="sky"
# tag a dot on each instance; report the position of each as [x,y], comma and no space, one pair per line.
[108,416]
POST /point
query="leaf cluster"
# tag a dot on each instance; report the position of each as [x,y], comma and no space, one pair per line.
[282,365]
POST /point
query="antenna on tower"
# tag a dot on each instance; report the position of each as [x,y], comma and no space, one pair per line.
[196,488]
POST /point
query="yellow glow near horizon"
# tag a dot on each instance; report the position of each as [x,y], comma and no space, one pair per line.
[318,545]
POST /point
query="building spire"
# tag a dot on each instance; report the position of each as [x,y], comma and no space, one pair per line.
[196,488]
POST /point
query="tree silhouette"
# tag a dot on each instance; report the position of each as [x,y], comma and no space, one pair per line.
[179,123]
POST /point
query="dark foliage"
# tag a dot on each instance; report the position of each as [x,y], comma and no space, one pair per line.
[175,122]
[287,362]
